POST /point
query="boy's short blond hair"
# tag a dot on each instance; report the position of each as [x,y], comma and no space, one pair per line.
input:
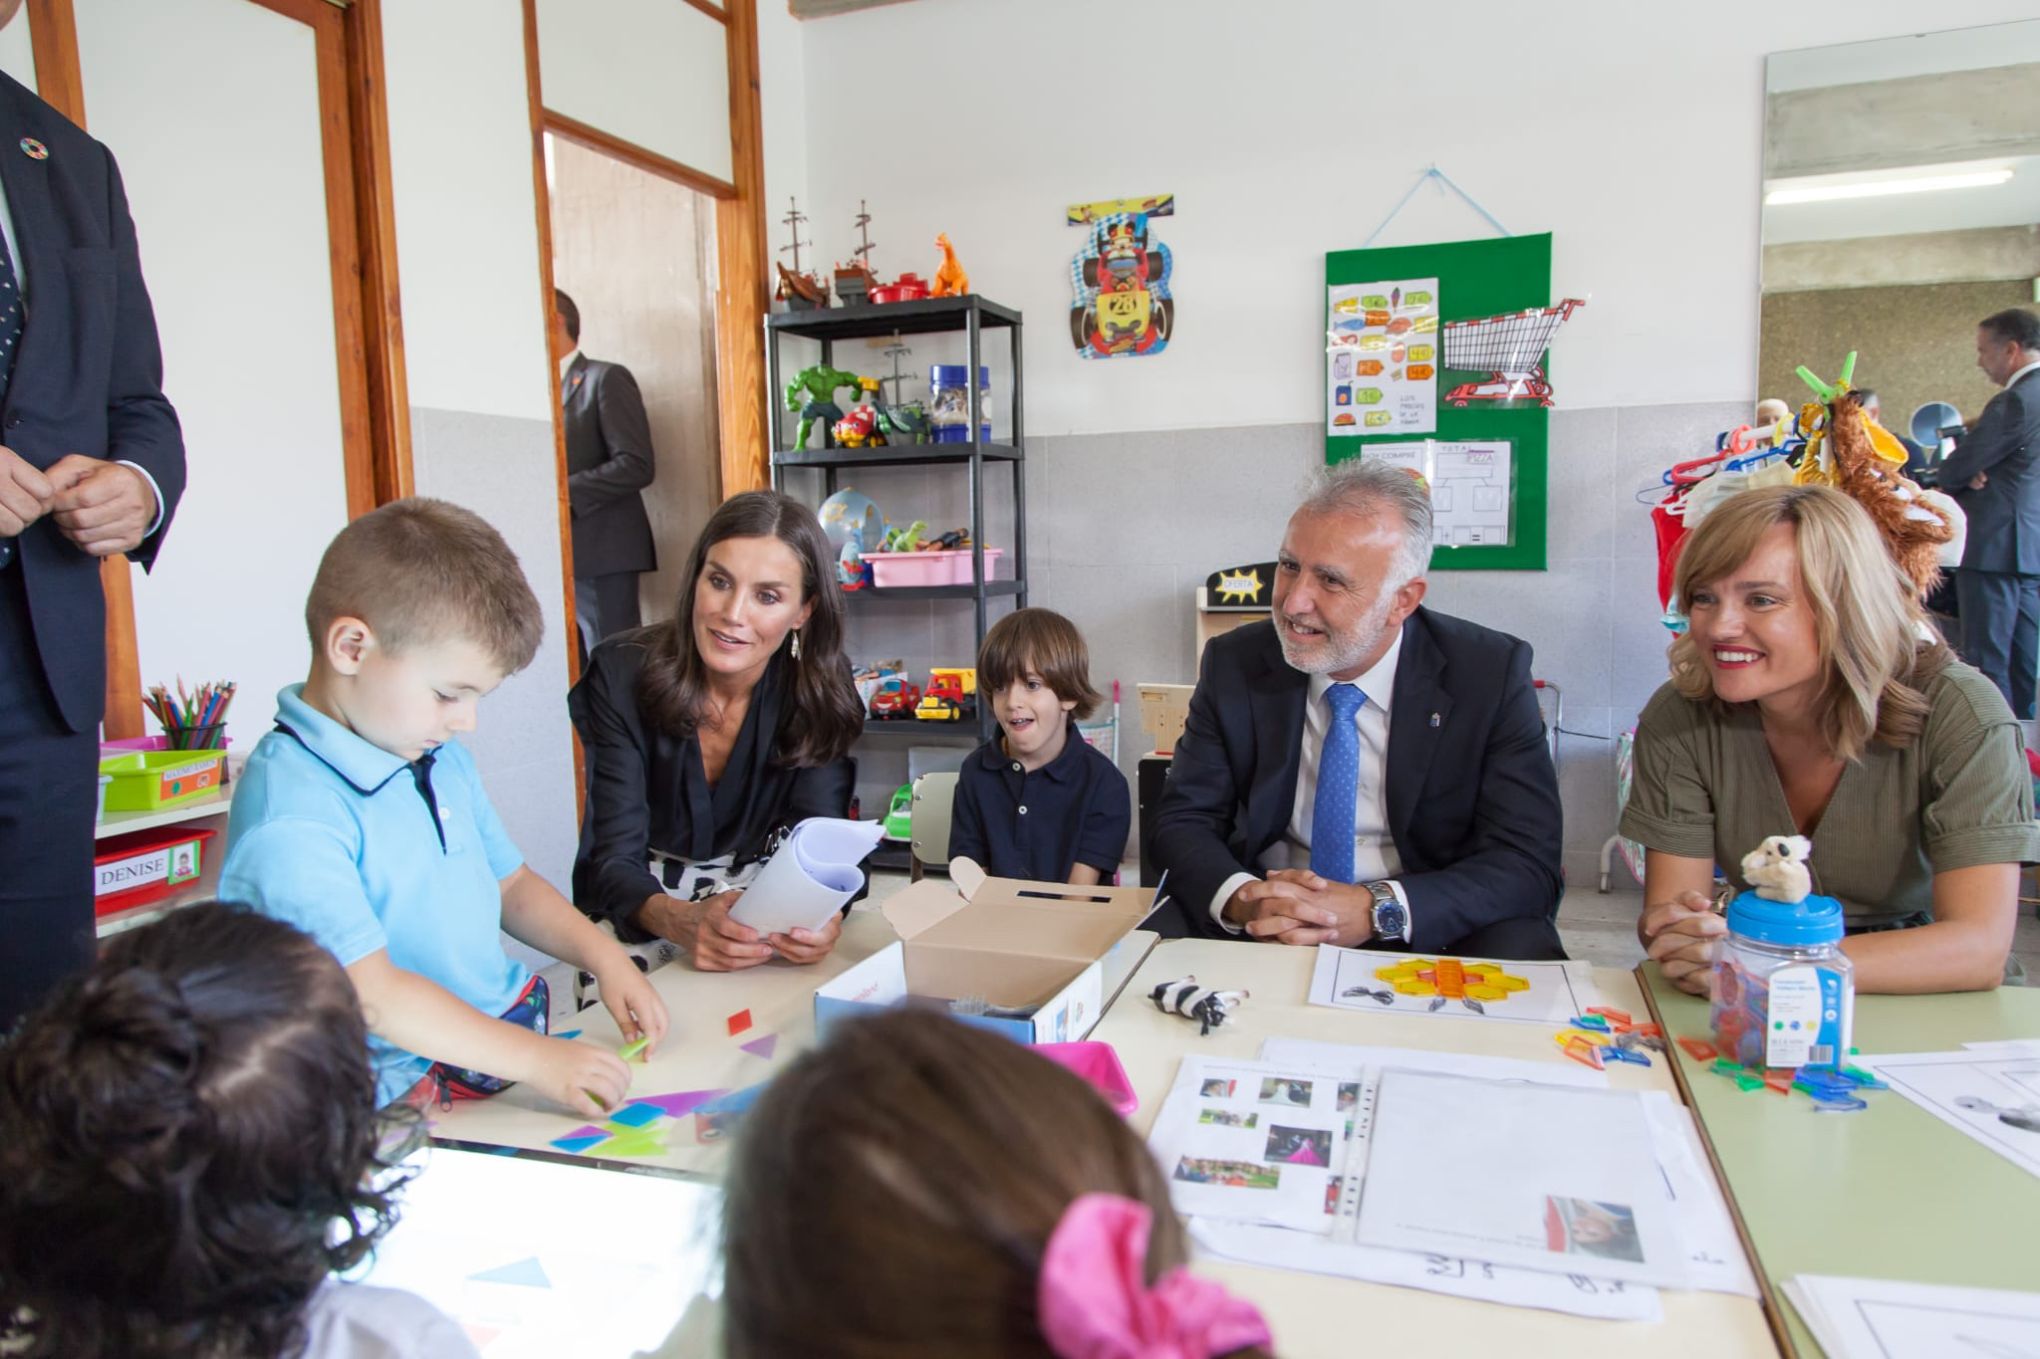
[1041,642]
[419,572]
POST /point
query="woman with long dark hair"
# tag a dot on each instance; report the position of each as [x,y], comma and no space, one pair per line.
[708,734]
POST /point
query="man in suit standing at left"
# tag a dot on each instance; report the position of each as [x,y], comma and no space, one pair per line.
[1359,770]
[609,461]
[92,467]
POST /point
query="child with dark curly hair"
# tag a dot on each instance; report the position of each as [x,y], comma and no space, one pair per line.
[187,1139]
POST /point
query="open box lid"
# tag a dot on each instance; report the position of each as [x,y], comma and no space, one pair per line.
[1014,915]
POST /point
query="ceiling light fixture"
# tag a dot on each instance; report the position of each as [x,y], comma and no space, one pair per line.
[1812,191]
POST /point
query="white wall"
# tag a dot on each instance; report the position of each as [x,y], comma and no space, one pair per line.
[782,100]
[1633,133]
[653,72]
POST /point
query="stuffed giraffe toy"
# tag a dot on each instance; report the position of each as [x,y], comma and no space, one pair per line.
[950,280]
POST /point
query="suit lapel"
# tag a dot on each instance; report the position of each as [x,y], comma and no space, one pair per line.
[576,379]
[1417,717]
[1276,695]
[30,201]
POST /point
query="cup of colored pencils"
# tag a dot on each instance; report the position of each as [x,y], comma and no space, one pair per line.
[194,719]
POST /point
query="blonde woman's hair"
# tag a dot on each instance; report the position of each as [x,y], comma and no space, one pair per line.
[1866,616]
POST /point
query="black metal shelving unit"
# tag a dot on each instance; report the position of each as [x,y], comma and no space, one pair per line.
[972,315]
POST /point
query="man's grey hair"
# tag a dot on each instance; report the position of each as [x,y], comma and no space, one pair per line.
[1367,486]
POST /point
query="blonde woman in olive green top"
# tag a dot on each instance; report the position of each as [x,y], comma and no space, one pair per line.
[1809,697]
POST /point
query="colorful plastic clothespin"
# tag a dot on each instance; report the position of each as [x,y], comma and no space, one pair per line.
[1748,1083]
[1727,1066]
[1699,1049]
[1837,1104]
[1592,1023]
[1624,1054]
[1864,1080]
[1611,1013]
[1585,1053]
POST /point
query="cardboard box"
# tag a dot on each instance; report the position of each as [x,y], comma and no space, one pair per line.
[1016,944]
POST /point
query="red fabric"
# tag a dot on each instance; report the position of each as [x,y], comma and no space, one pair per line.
[1671,532]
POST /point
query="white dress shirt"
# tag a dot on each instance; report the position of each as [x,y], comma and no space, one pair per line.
[567,361]
[1374,853]
[2013,380]
[21,283]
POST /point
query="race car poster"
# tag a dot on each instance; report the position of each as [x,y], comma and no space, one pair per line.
[1381,345]
[1123,307]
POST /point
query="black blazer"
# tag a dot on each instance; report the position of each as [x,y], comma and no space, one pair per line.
[609,460]
[1472,801]
[88,378]
[647,790]
[2004,516]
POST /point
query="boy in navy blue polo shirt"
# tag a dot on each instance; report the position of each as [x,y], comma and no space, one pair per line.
[360,819]
[1036,801]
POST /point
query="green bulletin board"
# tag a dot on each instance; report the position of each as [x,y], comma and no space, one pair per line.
[1475,278]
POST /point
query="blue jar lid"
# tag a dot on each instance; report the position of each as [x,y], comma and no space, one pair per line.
[956,375]
[1816,920]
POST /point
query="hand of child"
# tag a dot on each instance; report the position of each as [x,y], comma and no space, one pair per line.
[808,946]
[1680,936]
[632,1001]
[720,944]
[581,1076]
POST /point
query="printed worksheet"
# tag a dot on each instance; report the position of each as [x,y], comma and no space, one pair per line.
[1551,994]
[1381,357]
[1883,1319]
[1992,1094]
[1472,486]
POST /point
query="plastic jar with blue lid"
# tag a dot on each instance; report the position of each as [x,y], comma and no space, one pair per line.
[1784,992]
[949,403]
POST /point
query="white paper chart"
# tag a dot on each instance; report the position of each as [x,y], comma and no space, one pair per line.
[1470,487]
[1381,357]
[1992,1094]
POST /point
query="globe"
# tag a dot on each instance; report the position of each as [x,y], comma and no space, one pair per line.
[851,511]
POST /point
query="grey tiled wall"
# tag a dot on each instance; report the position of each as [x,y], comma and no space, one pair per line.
[504,469]
[1122,528]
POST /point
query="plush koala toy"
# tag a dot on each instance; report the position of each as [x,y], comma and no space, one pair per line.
[1776,869]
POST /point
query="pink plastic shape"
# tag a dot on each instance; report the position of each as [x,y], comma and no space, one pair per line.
[1098,1064]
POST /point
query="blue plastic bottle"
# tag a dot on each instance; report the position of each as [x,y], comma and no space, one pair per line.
[1784,992]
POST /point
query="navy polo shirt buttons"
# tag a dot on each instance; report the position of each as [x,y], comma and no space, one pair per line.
[1038,824]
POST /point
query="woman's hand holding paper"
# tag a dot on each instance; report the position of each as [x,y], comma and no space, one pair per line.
[808,946]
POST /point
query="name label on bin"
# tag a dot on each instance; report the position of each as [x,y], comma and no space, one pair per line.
[171,864]
[194,776]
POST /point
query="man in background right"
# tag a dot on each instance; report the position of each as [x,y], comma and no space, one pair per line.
[1992,476]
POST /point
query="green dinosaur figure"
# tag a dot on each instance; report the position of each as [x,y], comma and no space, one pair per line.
[819,385]
[905,539]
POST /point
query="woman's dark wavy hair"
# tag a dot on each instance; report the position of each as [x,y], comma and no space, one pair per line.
[823,715]
[186,1138]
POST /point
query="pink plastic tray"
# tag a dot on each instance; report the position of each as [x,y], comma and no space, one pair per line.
[1098,1064]
[952,567]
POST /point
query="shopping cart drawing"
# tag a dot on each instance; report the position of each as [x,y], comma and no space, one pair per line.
[1509,349]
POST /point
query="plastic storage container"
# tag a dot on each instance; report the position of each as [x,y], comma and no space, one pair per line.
[1784,992]
[949,403]
[948,567]
[147,780]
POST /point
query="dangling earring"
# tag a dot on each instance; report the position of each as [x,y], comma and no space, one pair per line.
[796,643]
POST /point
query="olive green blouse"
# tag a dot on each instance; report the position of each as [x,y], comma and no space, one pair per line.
[1960,795]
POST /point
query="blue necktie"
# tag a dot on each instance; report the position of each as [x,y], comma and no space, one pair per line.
[10,341]
[1337,803]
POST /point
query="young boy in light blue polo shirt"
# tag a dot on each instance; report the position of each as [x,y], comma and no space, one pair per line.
[362,821]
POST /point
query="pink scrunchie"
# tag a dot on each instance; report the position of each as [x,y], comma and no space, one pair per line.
[1095,1304]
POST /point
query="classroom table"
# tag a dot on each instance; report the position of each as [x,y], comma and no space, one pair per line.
[1890,1192]
[1316,1315]
[700,1053]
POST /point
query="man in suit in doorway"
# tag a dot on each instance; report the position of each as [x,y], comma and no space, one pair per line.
[1992,475]
[92,467]
[609,461]
[1359,770]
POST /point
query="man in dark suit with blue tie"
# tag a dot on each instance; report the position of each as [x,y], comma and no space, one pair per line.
[609,461]
[1992,475]
[93,465]
[1359,770]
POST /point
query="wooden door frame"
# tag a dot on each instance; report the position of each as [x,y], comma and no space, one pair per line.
[375,417]
[741,296]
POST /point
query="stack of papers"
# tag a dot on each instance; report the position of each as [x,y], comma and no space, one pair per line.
[1504,1180]
[1991,1092]
[1879,1319]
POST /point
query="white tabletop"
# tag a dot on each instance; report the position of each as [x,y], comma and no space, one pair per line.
[1319,1315]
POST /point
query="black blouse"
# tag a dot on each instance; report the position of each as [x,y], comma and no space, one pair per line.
[648,792]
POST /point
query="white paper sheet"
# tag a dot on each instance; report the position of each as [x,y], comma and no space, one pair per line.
[1249,1142]
[1472,487]
[1883,1319]
[1316,1211]
[1551,994]
[812,875]
[528,1284]
[1714,1250]
[1382,348]
[1520,1174]
[1992,1095]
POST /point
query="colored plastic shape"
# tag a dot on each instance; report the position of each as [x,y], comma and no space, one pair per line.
[1699,1049]
[630,1051]
[761,1047]
[739,1021]
[682,1102]
[637,1114]
[574,1146]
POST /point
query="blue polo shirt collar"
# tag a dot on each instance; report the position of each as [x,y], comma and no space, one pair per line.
[365,766]
[1062,768]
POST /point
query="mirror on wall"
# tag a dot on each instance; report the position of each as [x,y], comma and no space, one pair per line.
[1901,206]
